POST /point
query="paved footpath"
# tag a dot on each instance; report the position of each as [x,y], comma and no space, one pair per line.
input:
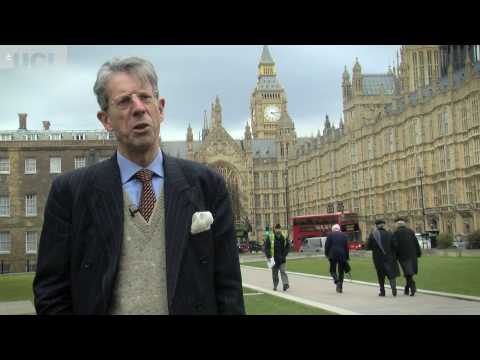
[357,298]
[17,308]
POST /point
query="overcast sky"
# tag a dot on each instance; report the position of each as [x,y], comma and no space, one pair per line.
[59,88]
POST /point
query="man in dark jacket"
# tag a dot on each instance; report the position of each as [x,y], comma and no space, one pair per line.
[384,257]
[277,246]
[142,232]
[408,250]
[336,250]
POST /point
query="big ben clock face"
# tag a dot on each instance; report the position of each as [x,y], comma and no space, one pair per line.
[272,113]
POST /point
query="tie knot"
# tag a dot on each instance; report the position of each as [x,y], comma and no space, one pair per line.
[144,175]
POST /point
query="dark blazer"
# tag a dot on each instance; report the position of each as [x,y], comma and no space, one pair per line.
[385,263]
[408,250]
[336,246]
[82,233]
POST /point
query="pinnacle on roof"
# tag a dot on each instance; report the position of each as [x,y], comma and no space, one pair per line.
[205,121]
[346,75]
[357,67]
[266,57]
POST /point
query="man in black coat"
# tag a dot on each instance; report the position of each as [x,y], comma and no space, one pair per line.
[384,257]
[337,252]
[408,251]
[279,252]
[101,221]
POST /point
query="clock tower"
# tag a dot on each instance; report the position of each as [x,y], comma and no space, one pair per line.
[268,101]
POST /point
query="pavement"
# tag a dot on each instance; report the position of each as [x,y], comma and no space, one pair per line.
[246,258]
[17,308]
[359,298]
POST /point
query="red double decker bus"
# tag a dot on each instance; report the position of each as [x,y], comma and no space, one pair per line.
[320,225]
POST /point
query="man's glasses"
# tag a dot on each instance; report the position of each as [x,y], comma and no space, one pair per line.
[125,101]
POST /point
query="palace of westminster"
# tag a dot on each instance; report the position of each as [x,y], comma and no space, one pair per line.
[408,145]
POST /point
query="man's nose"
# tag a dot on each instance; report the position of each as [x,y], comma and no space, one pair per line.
[138,107]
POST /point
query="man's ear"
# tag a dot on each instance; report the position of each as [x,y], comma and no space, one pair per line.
[105,120]
[161,104]
[161,107]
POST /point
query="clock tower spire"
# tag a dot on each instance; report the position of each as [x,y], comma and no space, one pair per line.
[268,100]
[266,66]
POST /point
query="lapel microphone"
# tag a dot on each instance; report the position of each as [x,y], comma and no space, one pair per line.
[133,211]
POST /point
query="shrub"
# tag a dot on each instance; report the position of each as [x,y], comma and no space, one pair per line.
[444,240]
[473,240]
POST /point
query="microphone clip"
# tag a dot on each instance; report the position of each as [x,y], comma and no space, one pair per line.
[133,211]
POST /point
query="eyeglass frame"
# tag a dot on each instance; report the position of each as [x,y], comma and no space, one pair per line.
[153,97]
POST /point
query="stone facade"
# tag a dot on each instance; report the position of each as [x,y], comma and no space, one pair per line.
[16,185]
[409,146]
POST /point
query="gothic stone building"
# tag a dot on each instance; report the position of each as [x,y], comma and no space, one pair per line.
[409,145]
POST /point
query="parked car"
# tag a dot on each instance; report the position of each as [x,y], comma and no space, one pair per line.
[315,244]
[459,242]
[255,247]
[243,248]
[424,243]
[355,245]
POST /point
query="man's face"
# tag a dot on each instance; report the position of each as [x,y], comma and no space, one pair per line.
[134,113]
[278,231]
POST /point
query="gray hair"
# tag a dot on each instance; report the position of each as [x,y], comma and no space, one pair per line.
[140,68]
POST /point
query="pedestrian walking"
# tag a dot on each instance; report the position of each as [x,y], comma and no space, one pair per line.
[277,247]
[336,250]
[384,256]
[408,252]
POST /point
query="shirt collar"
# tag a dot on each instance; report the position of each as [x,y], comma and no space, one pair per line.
[128,168]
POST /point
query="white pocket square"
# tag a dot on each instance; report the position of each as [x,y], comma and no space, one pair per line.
[201,222]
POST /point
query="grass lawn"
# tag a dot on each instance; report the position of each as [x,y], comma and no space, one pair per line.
[438,273]
[19,287]
[265,304]
[16,287]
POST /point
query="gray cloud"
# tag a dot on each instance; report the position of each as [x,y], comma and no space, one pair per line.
[189,78]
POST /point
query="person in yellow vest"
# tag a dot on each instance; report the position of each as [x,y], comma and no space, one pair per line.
[277,247]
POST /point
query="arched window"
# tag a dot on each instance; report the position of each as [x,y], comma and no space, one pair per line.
[232,181]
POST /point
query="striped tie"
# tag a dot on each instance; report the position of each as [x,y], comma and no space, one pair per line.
[147,202]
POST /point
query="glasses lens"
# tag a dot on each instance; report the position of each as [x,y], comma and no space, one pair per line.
[126,101]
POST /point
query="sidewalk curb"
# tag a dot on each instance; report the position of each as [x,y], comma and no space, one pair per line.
[244,261]
[427,292]
[333,309]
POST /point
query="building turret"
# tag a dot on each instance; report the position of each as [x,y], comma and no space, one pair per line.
[357,79]
[189,143]
[285,134]
[248,133]
[217,113]
[248,137]
[346,86]
[205,126]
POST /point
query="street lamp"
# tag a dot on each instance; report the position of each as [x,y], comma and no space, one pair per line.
[286,196]
[420,174]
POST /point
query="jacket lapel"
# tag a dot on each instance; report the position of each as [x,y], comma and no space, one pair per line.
[179,208]
[106,205]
